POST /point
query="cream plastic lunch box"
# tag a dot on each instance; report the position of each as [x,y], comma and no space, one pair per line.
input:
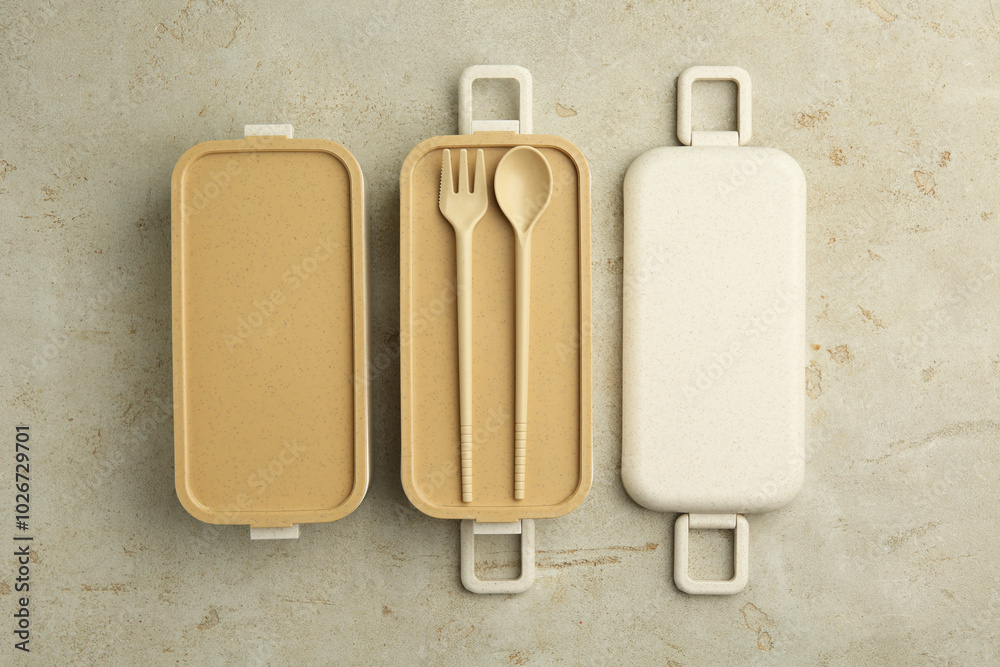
[495,328]
[269,343]
[714,330]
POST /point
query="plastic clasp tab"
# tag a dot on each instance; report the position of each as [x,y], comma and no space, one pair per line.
[685,81]
[741,553]
[283,130]
[286,533]
[523,77]
[471,528]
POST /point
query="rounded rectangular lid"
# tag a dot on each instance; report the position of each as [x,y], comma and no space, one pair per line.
[269,331]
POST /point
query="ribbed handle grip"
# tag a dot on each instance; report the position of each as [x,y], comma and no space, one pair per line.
[466,464]
[520,451]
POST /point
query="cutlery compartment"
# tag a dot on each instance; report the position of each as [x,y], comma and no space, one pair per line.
[558,455]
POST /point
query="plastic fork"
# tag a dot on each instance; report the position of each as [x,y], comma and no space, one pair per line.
[463,209]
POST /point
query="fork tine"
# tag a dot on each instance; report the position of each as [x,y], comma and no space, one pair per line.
[446,178]
[480,180]
[463,171]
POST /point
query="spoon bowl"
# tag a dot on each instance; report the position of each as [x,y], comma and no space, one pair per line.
[523,186]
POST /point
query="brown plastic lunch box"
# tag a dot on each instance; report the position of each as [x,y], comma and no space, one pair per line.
[481,449]
[269,343]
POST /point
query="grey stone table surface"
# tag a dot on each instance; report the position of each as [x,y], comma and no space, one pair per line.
[888,556]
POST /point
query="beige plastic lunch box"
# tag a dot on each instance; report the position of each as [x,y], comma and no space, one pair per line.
[269,343]
[495,312]
[714,330]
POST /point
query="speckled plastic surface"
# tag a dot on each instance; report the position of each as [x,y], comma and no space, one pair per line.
[559,446]
[714,377]
[269,346]
[713,390]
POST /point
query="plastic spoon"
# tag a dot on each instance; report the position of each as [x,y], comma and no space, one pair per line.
[523,187]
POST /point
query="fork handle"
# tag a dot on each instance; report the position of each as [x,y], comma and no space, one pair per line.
[463,241]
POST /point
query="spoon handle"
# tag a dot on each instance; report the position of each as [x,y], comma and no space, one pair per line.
[464,297]
[522,301]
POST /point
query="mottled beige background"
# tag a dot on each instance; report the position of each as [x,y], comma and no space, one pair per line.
[888,556]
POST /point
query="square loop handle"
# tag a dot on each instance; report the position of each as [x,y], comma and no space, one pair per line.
[741,556]
[523,77]
[686,80]
[472,583]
